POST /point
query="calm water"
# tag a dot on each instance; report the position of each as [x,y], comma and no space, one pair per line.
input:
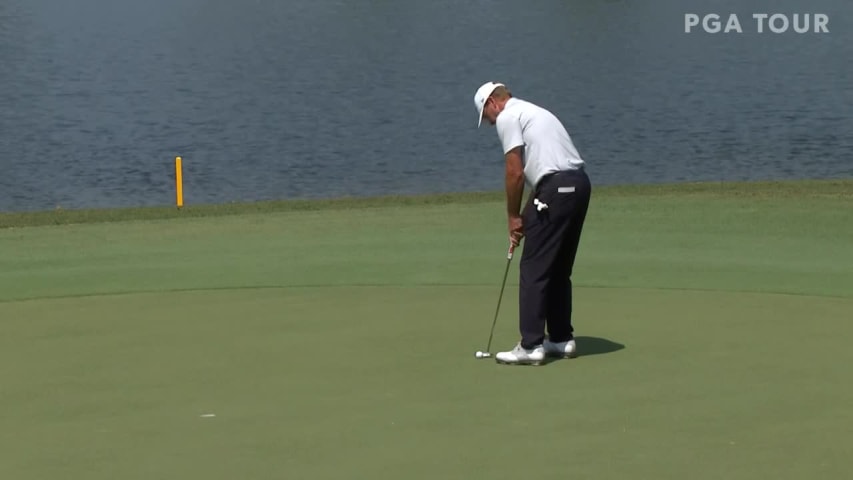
[319,98]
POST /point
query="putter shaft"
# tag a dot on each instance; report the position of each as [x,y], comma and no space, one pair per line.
[497,309]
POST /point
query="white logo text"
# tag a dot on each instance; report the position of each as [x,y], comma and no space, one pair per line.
[764,22]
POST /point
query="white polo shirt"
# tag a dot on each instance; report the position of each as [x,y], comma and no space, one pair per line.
[547,145]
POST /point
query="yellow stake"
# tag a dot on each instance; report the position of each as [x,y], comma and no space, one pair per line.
[179,182]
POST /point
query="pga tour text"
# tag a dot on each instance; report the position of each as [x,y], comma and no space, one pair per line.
[763,22]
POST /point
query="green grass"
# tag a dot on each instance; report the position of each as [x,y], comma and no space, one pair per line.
[335,339]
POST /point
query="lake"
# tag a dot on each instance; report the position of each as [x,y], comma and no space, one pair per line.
[273,99]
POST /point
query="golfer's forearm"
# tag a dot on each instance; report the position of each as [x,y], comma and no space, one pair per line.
[514,191]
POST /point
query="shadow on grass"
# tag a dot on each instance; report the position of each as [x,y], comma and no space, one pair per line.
[596,346]
[589,346]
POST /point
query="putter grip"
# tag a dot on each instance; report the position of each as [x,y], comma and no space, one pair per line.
[509,252]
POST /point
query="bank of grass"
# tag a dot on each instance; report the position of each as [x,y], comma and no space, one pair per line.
[61,216]
[759,190]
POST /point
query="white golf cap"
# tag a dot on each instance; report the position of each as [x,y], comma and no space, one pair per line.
[481,96]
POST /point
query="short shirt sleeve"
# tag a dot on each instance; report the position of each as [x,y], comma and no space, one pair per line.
[509,132]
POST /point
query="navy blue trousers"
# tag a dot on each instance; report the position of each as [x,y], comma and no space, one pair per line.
[551,239]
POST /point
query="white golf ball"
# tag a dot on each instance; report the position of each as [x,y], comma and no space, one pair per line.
[479,354]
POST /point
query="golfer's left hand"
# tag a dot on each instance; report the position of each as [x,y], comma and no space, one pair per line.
[516,230]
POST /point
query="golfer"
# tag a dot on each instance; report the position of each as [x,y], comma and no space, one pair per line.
[538,151]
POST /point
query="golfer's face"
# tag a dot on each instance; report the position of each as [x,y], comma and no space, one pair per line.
[490,111]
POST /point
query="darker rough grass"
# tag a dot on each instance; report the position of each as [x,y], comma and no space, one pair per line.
[835,188]
[842,188]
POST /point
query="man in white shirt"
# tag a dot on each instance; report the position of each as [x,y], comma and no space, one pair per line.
[539,151]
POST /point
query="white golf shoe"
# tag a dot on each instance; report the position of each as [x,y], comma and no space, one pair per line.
[521,356]
[560,349]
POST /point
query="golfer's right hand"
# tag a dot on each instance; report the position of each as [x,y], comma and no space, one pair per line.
[516,230]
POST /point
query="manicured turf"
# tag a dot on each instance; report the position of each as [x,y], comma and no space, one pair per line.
[338,342]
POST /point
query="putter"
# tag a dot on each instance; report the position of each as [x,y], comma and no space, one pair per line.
[487,353]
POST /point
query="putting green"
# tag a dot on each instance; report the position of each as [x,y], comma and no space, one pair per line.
[381,382]
[713,330]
